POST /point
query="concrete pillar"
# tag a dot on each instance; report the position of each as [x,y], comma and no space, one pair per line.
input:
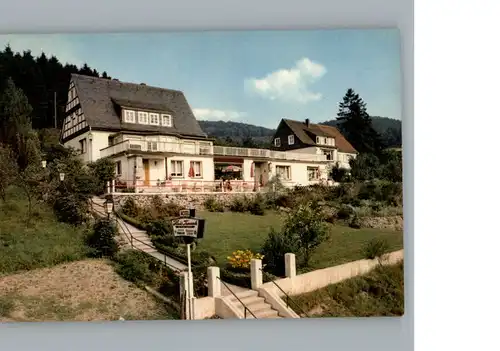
[184,290]
[290,268]
[113,186]
[256,273]
[214,284]
[108,188]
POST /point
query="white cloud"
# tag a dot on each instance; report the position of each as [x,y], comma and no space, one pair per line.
[56,45]
[217,115]
[289,84]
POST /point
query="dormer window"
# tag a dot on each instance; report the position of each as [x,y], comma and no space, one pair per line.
[277,142]
[129,116]
[154,118]
[166,120]
[291,139]
[143,117]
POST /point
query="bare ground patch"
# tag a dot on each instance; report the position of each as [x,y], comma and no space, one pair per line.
[87,290]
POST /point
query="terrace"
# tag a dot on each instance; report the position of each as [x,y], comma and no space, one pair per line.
[205,149]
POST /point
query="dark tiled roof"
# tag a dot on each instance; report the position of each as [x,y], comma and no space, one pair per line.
[305,134]
[101,100]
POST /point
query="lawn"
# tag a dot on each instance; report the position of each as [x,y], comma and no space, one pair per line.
[44,243]
[378,293]
[229,231]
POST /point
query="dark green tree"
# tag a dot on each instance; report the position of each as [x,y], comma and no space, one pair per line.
[356,125]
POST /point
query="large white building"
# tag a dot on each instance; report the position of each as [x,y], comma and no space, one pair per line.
[157,143]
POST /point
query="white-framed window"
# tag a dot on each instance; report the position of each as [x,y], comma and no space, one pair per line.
[176,168]
[166,120]
[321,140]
[196,165]
[142,117]
[83,146]
[129,116]
[312,173]
[291,139]
[119,168]
[277,142]
[152,146]
[284,172]
[154,118]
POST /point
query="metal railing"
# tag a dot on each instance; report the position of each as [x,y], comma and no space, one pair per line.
[288,298]
[202,149]
[131,239]
[237,298]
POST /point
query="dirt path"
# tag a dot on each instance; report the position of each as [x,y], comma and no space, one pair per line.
[87,290]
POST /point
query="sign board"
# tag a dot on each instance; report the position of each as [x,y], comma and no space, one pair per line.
[188,227]
[184,213]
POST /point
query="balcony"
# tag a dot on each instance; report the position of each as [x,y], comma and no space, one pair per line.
[197,149]
[157,146]
[262,153]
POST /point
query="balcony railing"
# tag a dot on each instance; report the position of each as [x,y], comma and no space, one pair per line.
[157,146]
[279,155]
[197,149]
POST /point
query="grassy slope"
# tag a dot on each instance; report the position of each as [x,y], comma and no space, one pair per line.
[86,290]
[43,243]
[226,232]
[378,293]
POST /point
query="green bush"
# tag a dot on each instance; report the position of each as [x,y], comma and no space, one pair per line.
[102,239]
[274,249]
[102,170]
[70,208]
[355,222]
[239,204]
[135,266]
[375,248]
[257,206]
[213,205]
[345,212]
[130,207]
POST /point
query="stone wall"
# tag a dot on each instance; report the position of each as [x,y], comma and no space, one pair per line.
[183,200]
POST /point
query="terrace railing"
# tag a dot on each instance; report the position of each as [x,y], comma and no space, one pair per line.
[201,149]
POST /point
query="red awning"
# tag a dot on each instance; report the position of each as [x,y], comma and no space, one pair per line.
[191,171]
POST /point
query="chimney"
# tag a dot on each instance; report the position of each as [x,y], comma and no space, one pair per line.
[143,83]
[307,122]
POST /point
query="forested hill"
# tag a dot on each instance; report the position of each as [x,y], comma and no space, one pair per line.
[41,78]
[44,79]
[388,128]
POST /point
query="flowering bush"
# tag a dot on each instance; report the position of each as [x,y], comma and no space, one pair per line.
[242,258]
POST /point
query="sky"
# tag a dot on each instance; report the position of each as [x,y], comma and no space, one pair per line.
[256,77]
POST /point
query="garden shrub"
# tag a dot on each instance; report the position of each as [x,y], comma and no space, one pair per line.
[102,239]
[135,266]
[375,248]
[355,222]
[257,206]
[213,205]
[130,207]
[345,212]
[239,204]
[240,259]
[70,208]
[274,249]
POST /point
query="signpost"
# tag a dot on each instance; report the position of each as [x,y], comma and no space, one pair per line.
[189,228]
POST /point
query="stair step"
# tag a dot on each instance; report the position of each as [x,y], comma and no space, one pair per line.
[248,301]
[269,313]
[254,308]
[245,294]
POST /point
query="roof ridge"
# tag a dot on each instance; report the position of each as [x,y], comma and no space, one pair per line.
[108,80]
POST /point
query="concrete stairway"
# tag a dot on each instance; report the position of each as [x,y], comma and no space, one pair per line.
[254,303]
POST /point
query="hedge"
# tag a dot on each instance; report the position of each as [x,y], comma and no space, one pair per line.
[172,252]
[243,279]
